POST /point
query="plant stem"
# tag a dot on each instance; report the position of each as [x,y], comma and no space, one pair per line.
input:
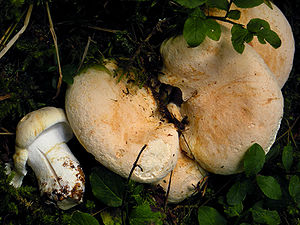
[127,183]
[56,49]
[16,37]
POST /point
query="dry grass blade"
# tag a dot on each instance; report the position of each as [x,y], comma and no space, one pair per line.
[16,37]
[56,49]
[3,97]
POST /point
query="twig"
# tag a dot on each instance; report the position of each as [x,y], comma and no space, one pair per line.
[168,190]
[289,130]
[85,53]
[15,38]
[3,97]
[6,132]
[56,49]
[127,183]
[104,29]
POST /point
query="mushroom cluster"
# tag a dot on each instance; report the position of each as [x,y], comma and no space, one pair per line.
[230,100]
[41,138]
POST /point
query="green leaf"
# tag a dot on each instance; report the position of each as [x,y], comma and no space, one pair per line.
[255,25]
[68,72]
[210,216]
[268,3]
[219,4]
[254,160]
[235,210]
[294,189]
[80,218]
[247,3]
[213,29]
[143,214]
[111,217]
[238,34]
[191,3]
[273,153]
[107,186]
[237,193]
[194,30]
[270,36]
[269,186]
[270,217]
[287,157]
[234,14]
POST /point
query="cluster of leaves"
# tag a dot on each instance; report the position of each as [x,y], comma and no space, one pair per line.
[267,195]
[112,190]
[198,25]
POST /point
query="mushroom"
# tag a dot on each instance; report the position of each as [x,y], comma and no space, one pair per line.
[114,120]
[41,138]
[186,179]
[280,60]
[231,100]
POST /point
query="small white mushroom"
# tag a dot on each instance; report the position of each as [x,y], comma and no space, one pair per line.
[231,100]
[114,120]
[280,61]
[41,138]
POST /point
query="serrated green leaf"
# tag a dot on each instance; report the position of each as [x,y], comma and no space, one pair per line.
[219,4]
[287,157]
[194,30]
[213,29]
[270,217]
[234,14]
[269,186]
[247,3]
[237,193]
[255,25]
[294,189]
[80,218]
[191,3]
[111,217]
[107,186]
[254,160]
[143,214]
[210,216]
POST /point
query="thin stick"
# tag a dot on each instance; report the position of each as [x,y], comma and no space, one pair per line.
[5,35]
[127,182]
[104,29]
[3,97]
[289,130]
[85,53]
[15,38]
[56,49]
[168,190]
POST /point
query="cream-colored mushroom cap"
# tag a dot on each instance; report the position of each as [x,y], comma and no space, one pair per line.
[113,121]
[186,179]
[36,122]
[279,60]
[232,100]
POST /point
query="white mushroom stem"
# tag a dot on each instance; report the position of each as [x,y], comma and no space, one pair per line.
[41,137]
